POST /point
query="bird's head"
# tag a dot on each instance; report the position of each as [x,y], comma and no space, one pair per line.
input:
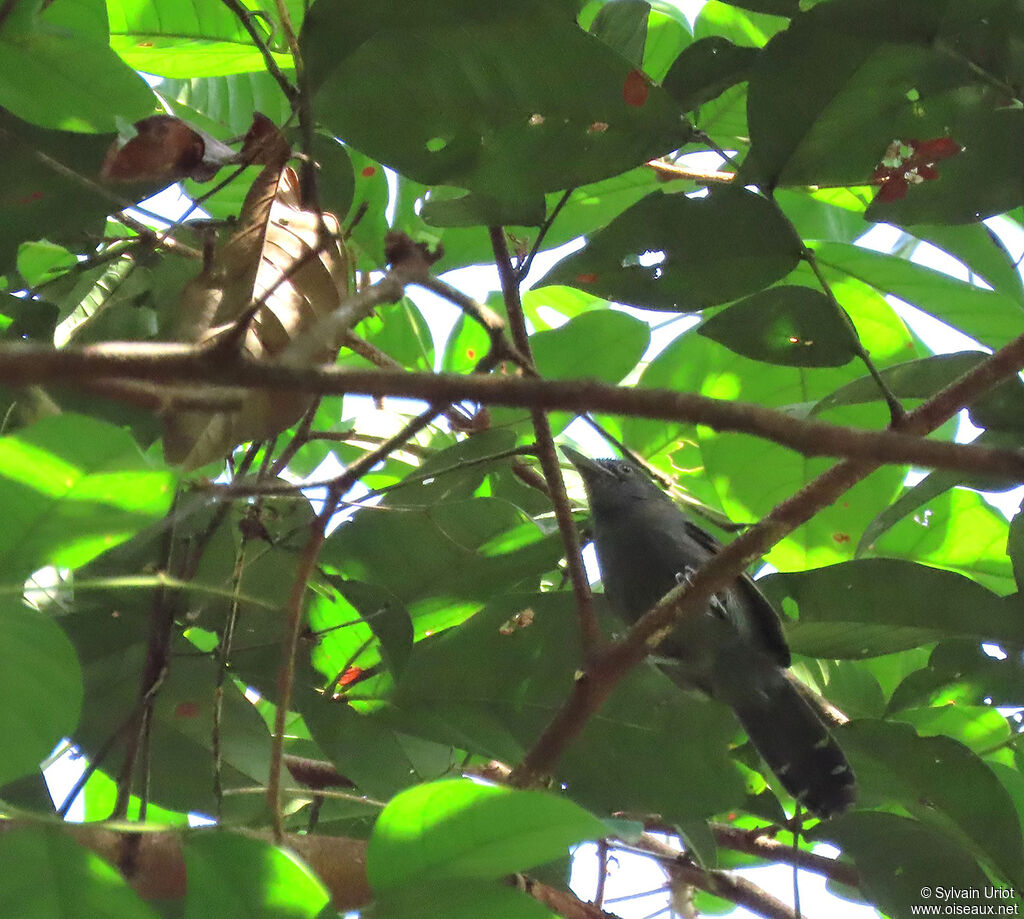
[613,484]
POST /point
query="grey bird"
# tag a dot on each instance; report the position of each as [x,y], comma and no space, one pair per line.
[733,650]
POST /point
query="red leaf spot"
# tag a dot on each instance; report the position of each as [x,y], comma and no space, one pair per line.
[186,710]
[369,171]
[145,44]
[470,353]
[28,199]
[840,537]
[587,278]
[635,90]
[940,148]
[350,676]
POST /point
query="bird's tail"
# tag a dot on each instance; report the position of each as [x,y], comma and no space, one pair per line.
[793,740]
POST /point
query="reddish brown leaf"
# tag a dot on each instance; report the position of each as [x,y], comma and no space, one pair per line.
[264,144]
[164,147]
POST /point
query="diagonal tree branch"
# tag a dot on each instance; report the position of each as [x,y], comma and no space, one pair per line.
[593,687]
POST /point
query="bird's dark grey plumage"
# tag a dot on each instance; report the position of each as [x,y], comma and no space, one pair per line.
[734,650]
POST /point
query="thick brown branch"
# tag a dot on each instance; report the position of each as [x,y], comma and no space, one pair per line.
[24,364]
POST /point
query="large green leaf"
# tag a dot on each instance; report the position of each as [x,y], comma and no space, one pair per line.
[196,38]
[230,99]
[991,318]
[484,96]
[460,829]
[235,877]
[444,561]
[670,252]
[73,488]
[38,198]
[898,858]
[940,781]
[492,684]
[876,606]
[789,325]
[69,80]
[41,683]
[706,69]
[958,530]
[48,876]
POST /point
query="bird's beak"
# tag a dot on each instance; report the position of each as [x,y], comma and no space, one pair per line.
[585,466]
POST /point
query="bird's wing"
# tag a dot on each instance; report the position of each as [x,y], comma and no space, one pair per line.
[766,619]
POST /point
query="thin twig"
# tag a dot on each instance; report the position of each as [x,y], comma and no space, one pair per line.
[523,268]
[245,17]
[298,441]
[303,105]
[723,884]
[590,631]
[286,673]
[896,410]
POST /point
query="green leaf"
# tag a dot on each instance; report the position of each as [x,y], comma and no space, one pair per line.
[336,182]
[887,605]
[670,252]
[36,199]
[991,318]
[442,562]
[72,488]
[48,876]
[601,345]
[231,99]
[706,69]
[56,78]
[479,687]
[484,96]
[980,249]
[771,7]
[236,877]
[980,728]
[789,325]
[958,530]
[364,750]
[481,210]
[748,28]
[622,25]
[831,92]
[940,781]
[389,622]
[959,672]
[42,261]
[897,858]
[459,829]
[195,38]
[41,681]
